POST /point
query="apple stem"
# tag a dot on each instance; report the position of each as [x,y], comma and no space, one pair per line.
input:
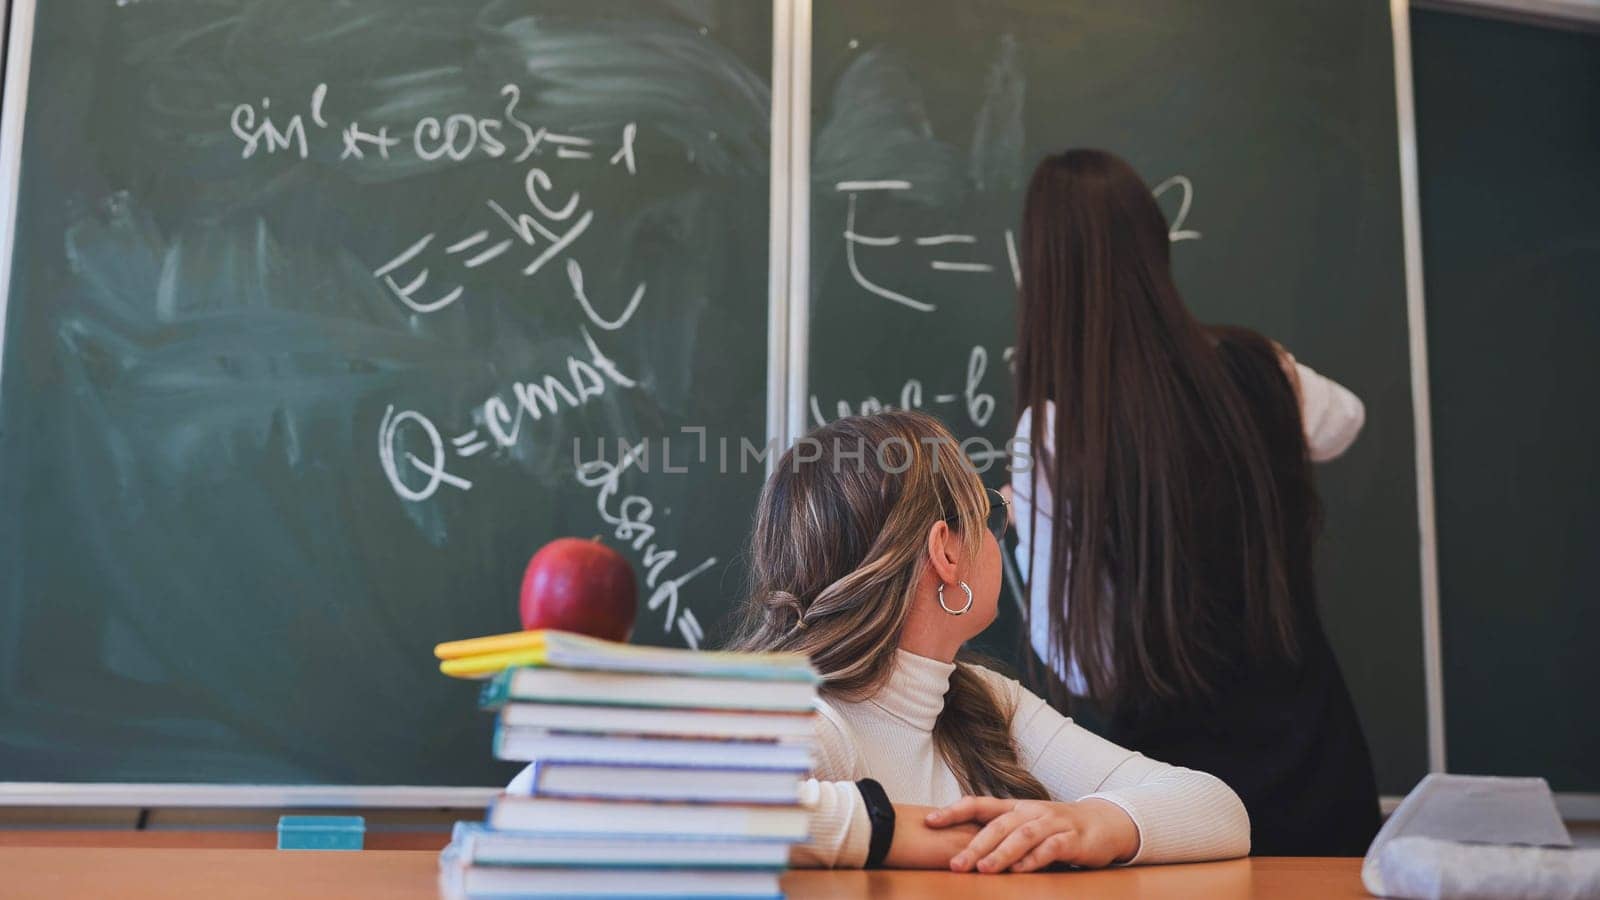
[595,538]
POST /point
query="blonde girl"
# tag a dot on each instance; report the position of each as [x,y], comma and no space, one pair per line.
[875,553]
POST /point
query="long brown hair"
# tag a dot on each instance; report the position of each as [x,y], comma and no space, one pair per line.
[838,549]
[1171,541]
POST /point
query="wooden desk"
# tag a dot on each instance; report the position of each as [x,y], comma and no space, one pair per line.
[136,874]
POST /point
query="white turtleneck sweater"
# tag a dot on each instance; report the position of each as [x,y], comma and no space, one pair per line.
[1182,815]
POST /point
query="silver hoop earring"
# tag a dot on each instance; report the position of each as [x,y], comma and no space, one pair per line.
[956,612]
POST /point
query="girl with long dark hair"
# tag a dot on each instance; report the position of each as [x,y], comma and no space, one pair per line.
[1168,519]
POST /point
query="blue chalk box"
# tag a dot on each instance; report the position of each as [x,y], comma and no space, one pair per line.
[321,832]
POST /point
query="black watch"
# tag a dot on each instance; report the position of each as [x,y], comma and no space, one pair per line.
[880,812]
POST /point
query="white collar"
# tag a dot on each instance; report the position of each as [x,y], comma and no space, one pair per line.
[914,692]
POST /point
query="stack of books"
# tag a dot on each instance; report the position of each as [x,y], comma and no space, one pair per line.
[654,772]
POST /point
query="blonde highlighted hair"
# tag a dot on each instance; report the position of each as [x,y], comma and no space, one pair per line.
[838,550]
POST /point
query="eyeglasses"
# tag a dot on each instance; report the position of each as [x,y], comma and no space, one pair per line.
[997,520]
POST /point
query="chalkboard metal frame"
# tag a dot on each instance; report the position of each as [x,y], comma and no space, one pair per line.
[798,320]
[1422,415]
[779,199]
[266,796]
[17,49]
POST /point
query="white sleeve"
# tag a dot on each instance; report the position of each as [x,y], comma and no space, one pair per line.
[841,834]
[1182,815]
[1031,491]
[1333,416]
[1025,493]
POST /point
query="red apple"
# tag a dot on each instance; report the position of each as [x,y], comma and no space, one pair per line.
[581,586]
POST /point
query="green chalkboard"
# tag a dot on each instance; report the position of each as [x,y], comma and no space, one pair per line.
[1269,131]
[309,304]
[1508,140]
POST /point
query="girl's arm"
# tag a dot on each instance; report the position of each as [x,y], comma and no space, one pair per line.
[916,845]
[1332,415]
[1181,815]
[1027,835]
[840,832]
[1031,503]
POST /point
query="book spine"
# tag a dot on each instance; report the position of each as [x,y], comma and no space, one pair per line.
[506,749]
[555,819]
[771,801]
[797,771]
[497,744]
[496,691]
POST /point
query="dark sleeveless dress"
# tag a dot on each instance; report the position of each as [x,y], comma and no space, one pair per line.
[1284,736]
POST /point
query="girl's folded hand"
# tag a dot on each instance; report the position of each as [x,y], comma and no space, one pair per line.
[1026,835]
